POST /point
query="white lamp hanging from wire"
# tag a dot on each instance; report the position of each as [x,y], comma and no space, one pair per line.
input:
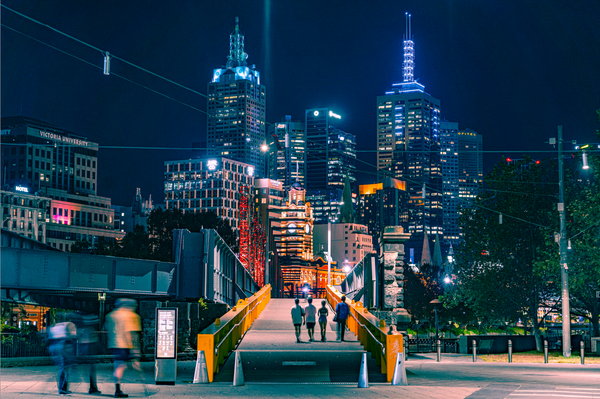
[586,166]
[107,63]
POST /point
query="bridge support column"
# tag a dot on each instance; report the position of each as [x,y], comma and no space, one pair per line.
[393,311]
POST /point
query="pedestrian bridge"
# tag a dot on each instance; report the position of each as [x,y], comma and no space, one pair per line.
[261,330]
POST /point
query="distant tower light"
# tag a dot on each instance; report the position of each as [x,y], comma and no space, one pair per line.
[107,63]
[585,161]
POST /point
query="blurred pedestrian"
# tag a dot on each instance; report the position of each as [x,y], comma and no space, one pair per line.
[123,326]
[297,318]
[311,312]
[342,311]
[62,338]
[323,313]
[87,345]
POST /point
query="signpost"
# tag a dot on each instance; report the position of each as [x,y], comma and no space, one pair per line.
[166,346]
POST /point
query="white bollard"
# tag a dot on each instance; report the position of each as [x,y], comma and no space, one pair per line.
[400,371]
[200,372]
[238,371]
[363,377]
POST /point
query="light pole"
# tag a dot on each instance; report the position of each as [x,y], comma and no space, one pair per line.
[435,304]
[265,148]
[564,270]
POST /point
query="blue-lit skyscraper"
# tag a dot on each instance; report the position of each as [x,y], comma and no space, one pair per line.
[408,147]
[236,108]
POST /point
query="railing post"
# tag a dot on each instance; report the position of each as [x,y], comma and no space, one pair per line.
[439,350]
[545,351]
[582,351]
[509,351]
[474,351]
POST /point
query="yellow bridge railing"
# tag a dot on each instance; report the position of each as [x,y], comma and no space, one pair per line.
[223,336]
[372,335]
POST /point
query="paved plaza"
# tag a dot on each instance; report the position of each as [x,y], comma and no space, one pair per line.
[275,366]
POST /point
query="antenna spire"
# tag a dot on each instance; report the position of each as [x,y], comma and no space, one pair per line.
[237,56]
[408,66]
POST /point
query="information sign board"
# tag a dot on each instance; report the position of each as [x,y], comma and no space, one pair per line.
[166,333]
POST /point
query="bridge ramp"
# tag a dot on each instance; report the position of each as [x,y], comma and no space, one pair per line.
[270,352]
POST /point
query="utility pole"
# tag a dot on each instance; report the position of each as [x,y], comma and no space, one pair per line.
[564,270]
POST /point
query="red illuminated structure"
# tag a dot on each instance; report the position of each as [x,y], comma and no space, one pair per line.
[252,238]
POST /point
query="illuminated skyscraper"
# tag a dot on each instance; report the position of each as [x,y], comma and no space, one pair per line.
[449,157]
[408,146]
[470,164]
[287,152]
[236,108]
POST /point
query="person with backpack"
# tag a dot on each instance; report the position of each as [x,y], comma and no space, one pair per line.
[297,318]
[62,340]
[342,311]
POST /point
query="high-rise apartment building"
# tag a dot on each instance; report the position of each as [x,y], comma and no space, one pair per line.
[408,146]
[236,108]
[287,152]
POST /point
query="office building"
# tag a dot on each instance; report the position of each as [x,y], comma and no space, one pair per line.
[450,186]
[383,204]
[62,166]
[287,152]
[24,213]
[236,108]
[350,242]
[212,184]
[330,152]
[408,147]
[127,217]
[470,165]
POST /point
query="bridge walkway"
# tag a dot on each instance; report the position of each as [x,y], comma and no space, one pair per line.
[270,352]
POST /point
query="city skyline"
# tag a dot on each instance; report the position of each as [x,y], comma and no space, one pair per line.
[511,73]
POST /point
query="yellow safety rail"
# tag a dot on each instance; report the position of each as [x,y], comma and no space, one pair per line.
[372,335]
[223,336]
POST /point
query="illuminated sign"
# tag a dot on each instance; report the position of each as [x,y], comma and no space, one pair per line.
[316,113]
[64,139]
[22,189]
[250,170]
[242,73]
[211,164]
[166,333]
[334,115]
[281,126]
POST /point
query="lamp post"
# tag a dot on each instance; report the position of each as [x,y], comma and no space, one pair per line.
[435,304]
[265,148]
[564,273]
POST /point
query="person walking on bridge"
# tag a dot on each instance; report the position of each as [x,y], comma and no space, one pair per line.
[342,310]
[311,319]
[323,313]
[298,318]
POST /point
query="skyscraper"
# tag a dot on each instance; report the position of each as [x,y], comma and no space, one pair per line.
[408,146]
[470,164]
[330,152]
[450,187]
[287,152]
[236,108]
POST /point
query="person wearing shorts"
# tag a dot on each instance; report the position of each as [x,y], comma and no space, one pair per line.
[297,318]
[311,319]
[323,313]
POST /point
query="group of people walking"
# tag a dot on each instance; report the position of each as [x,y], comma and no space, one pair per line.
[308,316]
[74,339]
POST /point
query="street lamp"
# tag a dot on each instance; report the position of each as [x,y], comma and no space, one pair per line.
[265,148]
[435,304]
[346,269]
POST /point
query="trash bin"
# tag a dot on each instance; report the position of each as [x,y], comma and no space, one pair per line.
[596,345]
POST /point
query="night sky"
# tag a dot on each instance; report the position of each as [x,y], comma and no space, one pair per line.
[510,70]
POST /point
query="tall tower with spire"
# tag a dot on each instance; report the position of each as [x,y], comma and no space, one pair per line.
[408,147]
[237,108]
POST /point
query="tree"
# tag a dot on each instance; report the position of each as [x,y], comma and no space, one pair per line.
[501,267]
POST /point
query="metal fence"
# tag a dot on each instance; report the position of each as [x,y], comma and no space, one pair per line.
[426,344]
[36,345]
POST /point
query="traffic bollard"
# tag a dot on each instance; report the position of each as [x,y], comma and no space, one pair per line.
[439,350]
[582,350]
[474,351]
[509,351]
[545,351]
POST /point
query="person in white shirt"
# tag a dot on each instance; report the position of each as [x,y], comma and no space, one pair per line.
[297,318]
[311,319]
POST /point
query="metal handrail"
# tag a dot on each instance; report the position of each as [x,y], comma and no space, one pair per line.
[240,322]
[370,333]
